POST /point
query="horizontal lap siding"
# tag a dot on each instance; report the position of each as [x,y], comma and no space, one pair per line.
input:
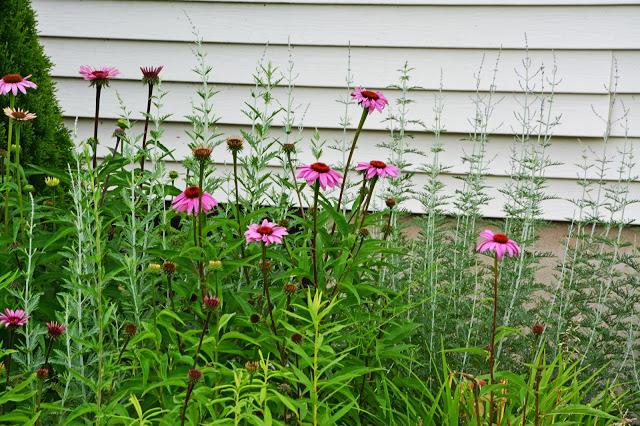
[438,38]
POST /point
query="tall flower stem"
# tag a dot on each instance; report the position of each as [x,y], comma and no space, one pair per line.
[49,347]
[363,117]
[105,185]
[295,185]
[201,224]
[492,345]
[536,389]
[146,127]
[186,401]
[526,397]
[205,327]
[12,102]
[12,335]
[238,218]
[95,126]
[265,287]
[314,236]
[365,207]
[19,175]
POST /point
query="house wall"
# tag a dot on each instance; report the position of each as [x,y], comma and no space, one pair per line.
[595,45]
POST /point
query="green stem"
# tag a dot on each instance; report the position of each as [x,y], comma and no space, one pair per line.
[18,174]
[201,225]
[314,237]
[146,127]
[205,327]
[12,101]
[239,219]
[365,113]
[12,333]
[494,322]
[265,286]
[95,126]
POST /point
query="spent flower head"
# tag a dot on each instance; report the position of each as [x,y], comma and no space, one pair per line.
[55,329]
[19,114]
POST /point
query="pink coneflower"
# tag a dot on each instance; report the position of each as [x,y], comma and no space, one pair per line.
[189,201]
[267,232]
[99,76]
[11,318]
[372,100]
[19,114]
[378,168]
[150,75]
[320,172]
[55,329]
[14,83]
[500,244]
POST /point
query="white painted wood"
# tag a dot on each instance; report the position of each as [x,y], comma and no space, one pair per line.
[577,116]
[579,71]
[584,27]
[567,151]
[433,36]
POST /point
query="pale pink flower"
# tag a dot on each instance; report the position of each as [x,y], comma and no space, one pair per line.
[11,318]
[372,100]
[267,232]
[500,244]
[98,76]
[19,114]
[320,172]
[378,168]
[189,201]
[14,83]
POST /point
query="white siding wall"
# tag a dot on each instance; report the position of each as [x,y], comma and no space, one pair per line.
[433,36]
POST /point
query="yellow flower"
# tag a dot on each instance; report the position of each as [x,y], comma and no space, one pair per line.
[51,181]
[154,267]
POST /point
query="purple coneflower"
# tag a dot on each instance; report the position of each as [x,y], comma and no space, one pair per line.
[14,83]
[189,201]
[321,173]
[55,329]
[500,244]
[210,302]
[98,76]
[267,232]
[369,99]
[11,318]
[378,168]
[19,114]
[150,75]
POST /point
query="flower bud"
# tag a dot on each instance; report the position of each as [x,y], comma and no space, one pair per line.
[131,329]
[169,267]
[537,329]
[29,188]
[194,375]
[289,148]
[154,267]
[211,302]
[215,264]
[173,175]
[290,288]
[42,373]
[254,318]
[122,123]
[296,338]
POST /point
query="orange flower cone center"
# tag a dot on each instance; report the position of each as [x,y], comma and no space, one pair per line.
[320,167]
[378,164]
[12,78]
[19,115]
[369,94]
[500,238]
[192,192]
[265,230]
